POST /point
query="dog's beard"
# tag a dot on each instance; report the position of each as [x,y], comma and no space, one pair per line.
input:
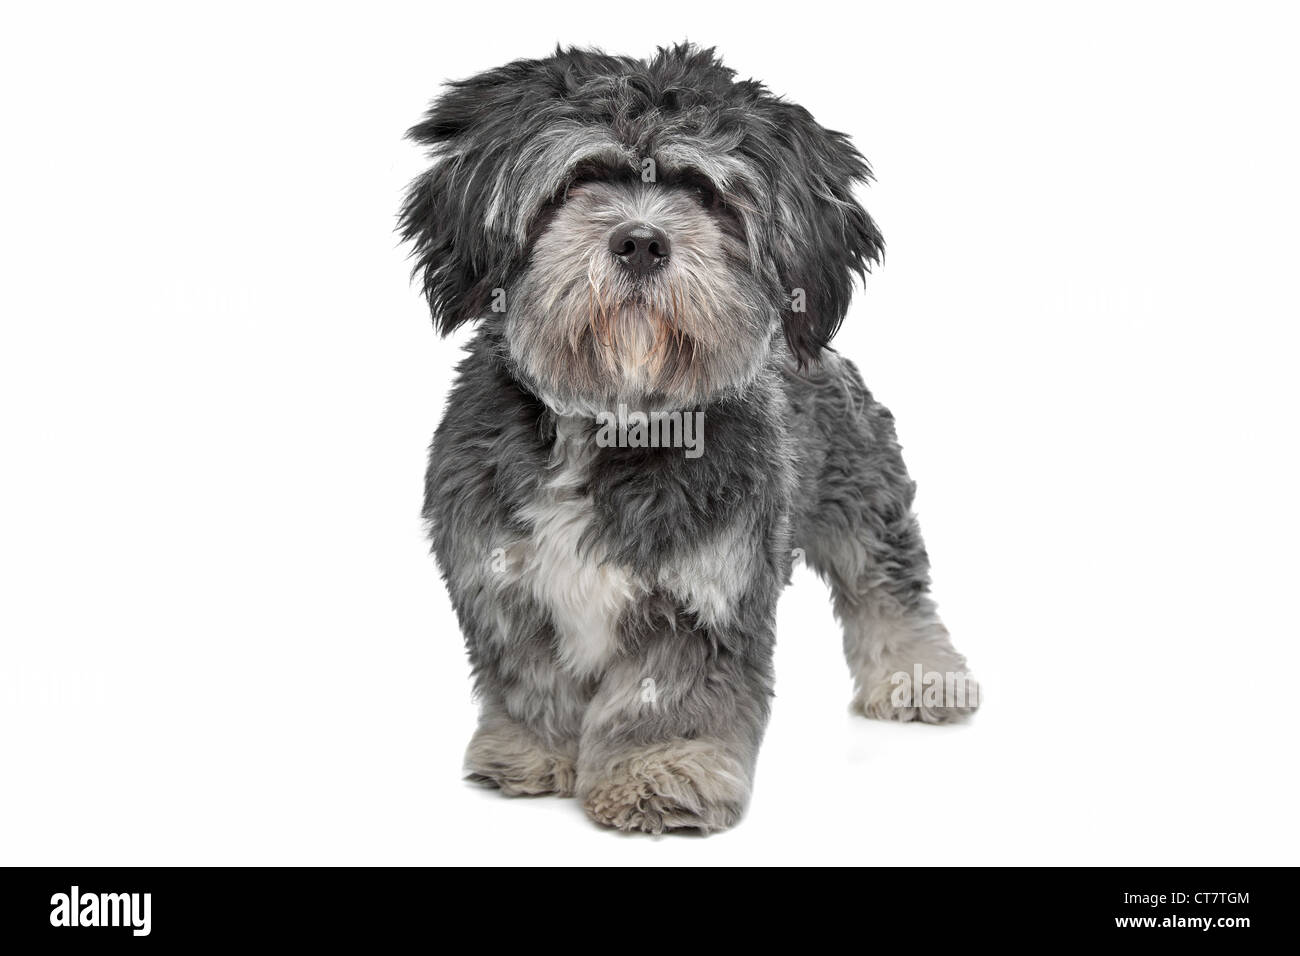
[653,344]
[641,340]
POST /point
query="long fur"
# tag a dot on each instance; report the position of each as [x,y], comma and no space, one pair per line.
[618,601]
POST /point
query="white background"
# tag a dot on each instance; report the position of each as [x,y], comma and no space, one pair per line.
[224,640]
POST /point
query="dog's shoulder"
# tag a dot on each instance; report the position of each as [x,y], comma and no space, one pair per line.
[494,439]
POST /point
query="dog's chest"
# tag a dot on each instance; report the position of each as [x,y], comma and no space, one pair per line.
[585,597]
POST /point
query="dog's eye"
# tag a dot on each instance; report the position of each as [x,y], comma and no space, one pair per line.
[705,195]
[570,186]
[582,176]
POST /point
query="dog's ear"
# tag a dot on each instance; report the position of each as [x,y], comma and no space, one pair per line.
[823,235]
[461,254]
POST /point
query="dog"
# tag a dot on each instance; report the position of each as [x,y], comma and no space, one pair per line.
[646,243]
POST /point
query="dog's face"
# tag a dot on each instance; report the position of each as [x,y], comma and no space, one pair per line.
[637,291]
[642,230]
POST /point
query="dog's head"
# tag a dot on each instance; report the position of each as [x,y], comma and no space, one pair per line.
[642,229]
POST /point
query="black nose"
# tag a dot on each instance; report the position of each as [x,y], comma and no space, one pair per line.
[639,246]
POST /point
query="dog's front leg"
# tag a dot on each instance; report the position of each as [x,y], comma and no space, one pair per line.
[670,740]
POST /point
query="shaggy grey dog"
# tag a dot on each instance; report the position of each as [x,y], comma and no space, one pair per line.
[648,428]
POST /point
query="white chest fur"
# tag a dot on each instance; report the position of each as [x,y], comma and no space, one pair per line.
[585,598]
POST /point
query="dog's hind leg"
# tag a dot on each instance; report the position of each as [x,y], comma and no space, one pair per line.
[859,533]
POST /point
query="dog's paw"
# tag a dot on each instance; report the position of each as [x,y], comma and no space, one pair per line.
[507,756]
[927,693]
[683,785]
